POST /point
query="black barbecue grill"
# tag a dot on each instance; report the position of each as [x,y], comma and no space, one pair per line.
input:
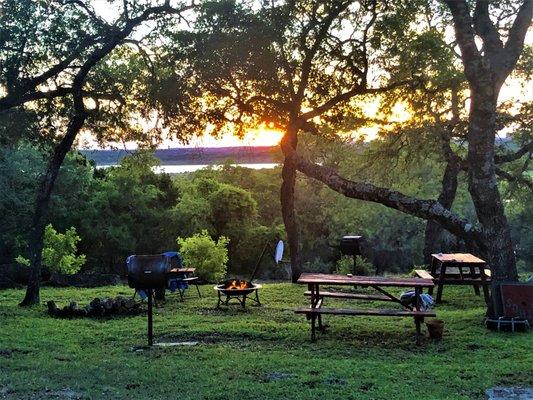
[351,246]
[148,273]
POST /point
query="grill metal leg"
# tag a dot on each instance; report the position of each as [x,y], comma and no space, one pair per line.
[150,319]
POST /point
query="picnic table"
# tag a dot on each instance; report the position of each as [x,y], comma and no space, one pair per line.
[458,269]
[381,284]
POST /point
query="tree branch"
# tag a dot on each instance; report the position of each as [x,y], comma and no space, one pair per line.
[486,29]
[357,90]
[310,54]
[26,88]
[517,33]
[464,33]
[514,178]
[504,158]
[425,209]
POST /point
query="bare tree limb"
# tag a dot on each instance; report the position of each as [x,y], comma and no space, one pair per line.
[514,178]
[464,33]
[503,158]
[310,53]
[357,90]
[425,209]
[486,29]
[517,34]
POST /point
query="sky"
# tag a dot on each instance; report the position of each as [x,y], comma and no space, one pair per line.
[513,90]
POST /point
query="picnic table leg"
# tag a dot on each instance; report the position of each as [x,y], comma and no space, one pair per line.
[433,271]
[472,275]
[317,299]
[418,320]
[440,282]
[484,285]
[198,290]
[311,289]
[219,299]
[313,328]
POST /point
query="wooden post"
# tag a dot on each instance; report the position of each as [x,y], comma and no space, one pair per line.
[433,271]
[473,276]
[313,328]
[484,285]
[440,281]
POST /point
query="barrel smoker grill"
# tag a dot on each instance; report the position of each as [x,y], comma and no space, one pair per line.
[351,245]
[148,273]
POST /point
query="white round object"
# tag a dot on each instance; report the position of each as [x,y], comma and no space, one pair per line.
[279,252]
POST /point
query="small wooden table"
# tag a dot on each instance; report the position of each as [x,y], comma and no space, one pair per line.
[185,271]
[185,275]
[449,269]
[380,284]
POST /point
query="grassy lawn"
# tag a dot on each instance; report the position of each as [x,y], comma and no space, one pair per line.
[257,353]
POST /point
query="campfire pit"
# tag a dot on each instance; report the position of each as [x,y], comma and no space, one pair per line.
[237,289]
[240,289]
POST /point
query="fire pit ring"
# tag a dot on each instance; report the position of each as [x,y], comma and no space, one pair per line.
[237,289]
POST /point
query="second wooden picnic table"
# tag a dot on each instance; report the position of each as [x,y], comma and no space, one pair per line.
[380,284]
[458,269]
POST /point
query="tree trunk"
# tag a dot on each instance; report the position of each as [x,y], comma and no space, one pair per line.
[42,202]
[483,188]
[434,237]
[288,145]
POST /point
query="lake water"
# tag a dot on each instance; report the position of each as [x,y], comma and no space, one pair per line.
[178,169]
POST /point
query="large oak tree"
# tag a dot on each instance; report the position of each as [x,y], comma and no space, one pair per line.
[73,68]
[301,66]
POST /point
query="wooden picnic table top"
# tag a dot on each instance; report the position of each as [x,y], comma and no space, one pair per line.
[458,258]
[183,270]
[332,279]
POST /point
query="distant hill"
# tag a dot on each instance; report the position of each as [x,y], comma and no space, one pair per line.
[194,156]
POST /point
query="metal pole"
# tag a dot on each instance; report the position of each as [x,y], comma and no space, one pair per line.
[259,262]
[150,322]
[354,264]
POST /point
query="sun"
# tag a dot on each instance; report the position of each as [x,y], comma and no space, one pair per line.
[264,135]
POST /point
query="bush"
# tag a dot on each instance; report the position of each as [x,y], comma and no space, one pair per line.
[345,266]
[59,251]
[210,258]
[317,266]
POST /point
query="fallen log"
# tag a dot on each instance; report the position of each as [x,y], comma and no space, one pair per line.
[97,307]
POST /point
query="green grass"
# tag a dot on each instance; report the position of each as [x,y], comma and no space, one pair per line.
[257,353]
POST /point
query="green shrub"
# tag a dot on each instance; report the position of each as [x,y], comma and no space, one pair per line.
[59,251]
[210,258]
[345,266]
[317,266]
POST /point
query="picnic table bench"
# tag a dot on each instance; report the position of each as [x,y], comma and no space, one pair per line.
[457,269]
[381,284]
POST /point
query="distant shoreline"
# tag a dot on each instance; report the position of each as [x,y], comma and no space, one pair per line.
[194,156]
